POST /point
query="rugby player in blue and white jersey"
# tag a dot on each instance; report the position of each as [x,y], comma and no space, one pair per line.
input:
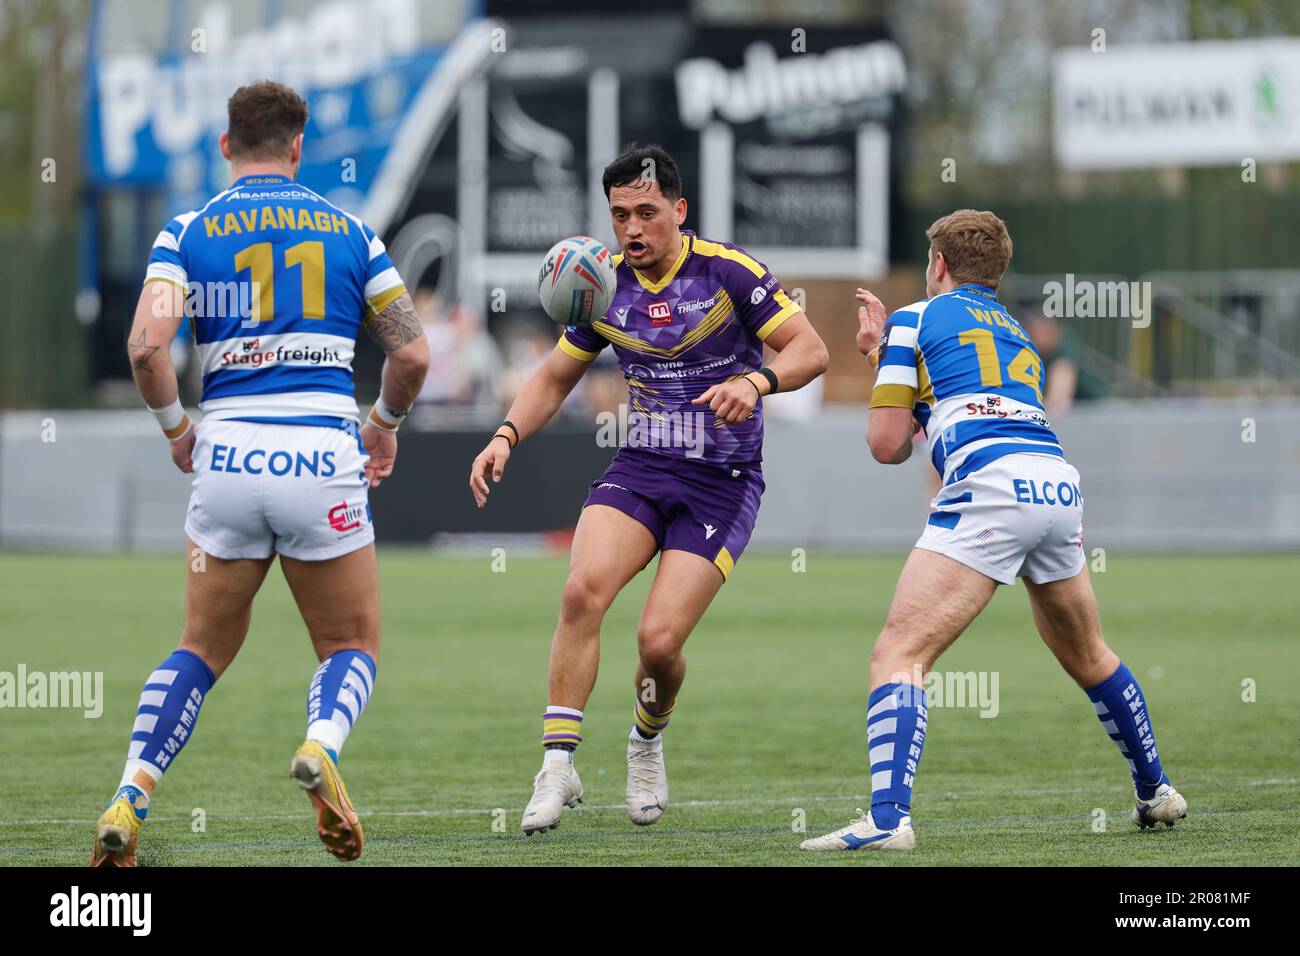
[280,465]
[960,367]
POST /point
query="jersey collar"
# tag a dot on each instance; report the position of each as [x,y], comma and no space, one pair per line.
[261,179]
[671,273]
[981,289]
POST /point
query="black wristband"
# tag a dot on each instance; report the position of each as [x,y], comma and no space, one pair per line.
[757,391]
[510,425]
[768,374]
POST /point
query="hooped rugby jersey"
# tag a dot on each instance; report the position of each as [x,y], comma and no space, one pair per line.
[702,324]
[972,377]
[278,282]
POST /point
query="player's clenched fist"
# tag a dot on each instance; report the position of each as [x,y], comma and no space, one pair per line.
[731,401]
[183,452]
[382,448]
[871,322]
[491,460]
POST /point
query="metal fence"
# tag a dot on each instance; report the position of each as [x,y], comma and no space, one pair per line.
[1217,223]
[1202,333]
[1160,475]
[1220,257]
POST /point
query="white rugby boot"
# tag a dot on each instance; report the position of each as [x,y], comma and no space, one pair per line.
[1167,806]
[647,779]
[555,787]
[863,833]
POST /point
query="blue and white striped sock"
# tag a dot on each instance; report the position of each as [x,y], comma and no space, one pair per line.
[1122,710]
[896,723]
[164,719]
[338,694]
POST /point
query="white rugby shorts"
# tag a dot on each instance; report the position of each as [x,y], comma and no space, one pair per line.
[299,490]
[1019,516]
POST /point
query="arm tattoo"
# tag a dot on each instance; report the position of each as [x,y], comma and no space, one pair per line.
[395,325]
[141,354]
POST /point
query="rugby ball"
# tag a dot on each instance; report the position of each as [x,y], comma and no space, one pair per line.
[576,282]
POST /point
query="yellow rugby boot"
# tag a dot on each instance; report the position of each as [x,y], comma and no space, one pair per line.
[119,827]
[337,822]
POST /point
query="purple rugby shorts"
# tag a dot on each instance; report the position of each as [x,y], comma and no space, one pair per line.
[701,507]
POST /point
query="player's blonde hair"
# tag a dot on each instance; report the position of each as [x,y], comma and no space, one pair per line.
[975,243]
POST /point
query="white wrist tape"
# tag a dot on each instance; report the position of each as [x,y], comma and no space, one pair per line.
[381,417]
[172,420]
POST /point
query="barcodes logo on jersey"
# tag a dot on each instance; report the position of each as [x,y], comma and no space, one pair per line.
[344,517]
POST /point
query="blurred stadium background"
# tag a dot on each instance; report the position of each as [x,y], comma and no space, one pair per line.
[1155,143]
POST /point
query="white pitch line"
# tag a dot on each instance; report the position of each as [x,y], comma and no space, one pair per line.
[761,801]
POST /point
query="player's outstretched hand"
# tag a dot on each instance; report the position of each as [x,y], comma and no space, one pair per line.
[183,452]
[731,401]
[382,446]
[871,321]
[490,461]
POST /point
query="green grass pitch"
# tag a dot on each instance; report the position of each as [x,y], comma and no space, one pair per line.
[769,731]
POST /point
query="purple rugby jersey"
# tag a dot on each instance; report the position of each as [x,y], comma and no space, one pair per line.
[702,324]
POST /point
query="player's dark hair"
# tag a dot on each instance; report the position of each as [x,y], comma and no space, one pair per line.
[264,119]
[643,163]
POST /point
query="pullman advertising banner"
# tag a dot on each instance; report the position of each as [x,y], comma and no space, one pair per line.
[1186,104]
[796,131]
[153,119]
[787,141]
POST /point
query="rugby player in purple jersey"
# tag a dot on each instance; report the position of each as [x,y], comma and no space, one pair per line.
[688,323]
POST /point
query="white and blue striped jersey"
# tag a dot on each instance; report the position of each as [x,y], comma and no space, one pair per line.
[971,376]
[278,282]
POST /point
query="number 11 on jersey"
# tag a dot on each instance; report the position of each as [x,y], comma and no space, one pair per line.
[259,260]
